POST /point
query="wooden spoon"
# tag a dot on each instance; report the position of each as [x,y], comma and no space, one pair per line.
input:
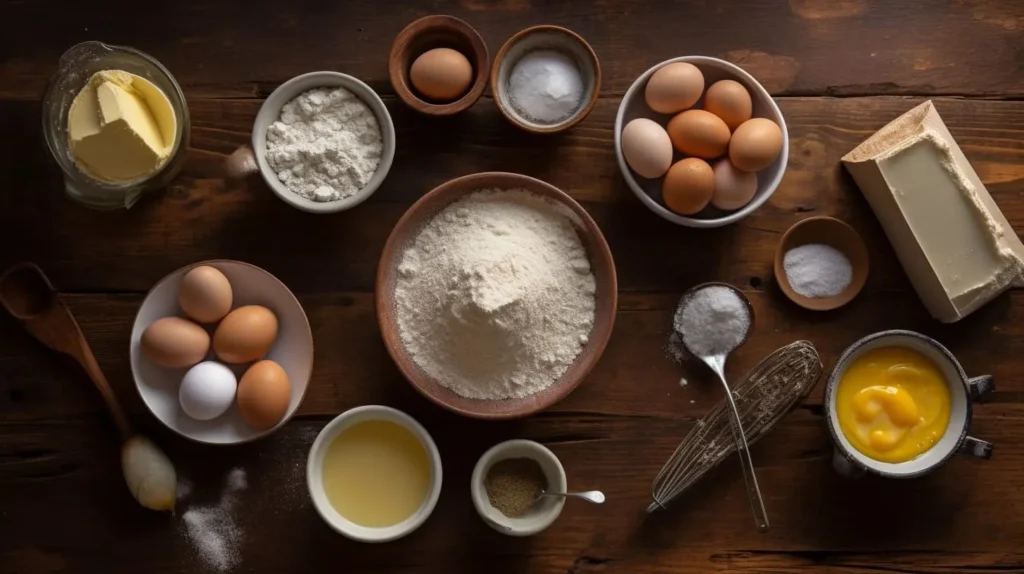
[28,295]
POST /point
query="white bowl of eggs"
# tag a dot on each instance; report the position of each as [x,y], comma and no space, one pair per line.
[700,141]
[221,352]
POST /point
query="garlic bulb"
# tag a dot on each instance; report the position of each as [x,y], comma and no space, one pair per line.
[149,473]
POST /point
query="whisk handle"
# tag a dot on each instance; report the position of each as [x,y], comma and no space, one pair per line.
[743,450]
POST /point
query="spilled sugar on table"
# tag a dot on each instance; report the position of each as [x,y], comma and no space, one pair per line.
[838,70]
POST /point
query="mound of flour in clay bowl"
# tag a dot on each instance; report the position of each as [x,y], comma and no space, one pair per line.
[495,297]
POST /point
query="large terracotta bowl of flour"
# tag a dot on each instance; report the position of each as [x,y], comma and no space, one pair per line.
[405,234]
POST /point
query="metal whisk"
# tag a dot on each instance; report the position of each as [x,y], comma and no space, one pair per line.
[762,397]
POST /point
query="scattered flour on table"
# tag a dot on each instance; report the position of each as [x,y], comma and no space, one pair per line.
[326,145]
[213,531]
[184,489]
[495,296]
[675,348]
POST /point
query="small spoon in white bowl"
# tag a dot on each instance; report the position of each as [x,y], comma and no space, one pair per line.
[595,496]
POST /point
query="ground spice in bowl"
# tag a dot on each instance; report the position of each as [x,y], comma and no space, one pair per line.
[514,484]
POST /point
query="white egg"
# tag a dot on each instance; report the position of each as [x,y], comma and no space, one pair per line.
[207,390]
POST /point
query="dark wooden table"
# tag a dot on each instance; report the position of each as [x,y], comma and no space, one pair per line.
[840,69]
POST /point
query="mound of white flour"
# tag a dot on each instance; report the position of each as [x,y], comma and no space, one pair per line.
[326,145]
[495,296]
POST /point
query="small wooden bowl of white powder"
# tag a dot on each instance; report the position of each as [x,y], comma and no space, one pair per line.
[821,263]
[496,295]
[545,79]
[323,142]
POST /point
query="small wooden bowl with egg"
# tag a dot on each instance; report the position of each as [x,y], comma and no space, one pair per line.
[700,142]
[260,323]
[439,65]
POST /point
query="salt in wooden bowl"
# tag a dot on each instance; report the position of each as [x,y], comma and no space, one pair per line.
[545,37]
[836,234]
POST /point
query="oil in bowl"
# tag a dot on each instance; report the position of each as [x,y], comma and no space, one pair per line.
[374,474]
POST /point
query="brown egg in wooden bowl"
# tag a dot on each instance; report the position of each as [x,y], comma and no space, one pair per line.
[439,65]
[394,279]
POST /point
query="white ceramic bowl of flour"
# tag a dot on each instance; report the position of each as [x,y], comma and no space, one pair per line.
[247,160]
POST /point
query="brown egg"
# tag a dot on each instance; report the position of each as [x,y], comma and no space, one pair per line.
[205,294]
[441,74]
[729,100]
[755,144]
[264,394]
[688,186]
[646,147]
[246,334]
[733,188]
[174,342]
[699,133]
[674,87]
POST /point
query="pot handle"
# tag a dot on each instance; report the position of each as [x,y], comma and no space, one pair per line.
[980,387]
[241,163]
[846,466]
[976,447]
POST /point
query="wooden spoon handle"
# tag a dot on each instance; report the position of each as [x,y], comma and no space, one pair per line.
[58,329]
[85,358]
[27,293]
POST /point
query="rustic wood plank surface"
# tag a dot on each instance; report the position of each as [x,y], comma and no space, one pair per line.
[840,70]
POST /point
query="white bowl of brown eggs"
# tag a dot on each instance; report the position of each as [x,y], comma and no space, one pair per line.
[700,141]
[221,352]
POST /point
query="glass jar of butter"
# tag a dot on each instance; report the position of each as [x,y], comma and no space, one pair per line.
[77,67]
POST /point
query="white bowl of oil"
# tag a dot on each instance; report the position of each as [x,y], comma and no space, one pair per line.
[374,474]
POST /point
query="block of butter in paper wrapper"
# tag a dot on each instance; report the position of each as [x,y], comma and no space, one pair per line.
[950,236]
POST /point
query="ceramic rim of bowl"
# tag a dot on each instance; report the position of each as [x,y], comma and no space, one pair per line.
[314,474]
[661,210]
[270,111]
[960,405]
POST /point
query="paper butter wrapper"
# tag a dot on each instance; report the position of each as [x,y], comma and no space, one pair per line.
[950,236]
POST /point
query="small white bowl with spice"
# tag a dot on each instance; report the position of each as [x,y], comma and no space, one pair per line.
[302,166]
[508,480]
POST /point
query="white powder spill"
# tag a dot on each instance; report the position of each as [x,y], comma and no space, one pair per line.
[213,531]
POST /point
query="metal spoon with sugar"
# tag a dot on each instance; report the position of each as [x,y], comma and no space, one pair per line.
[713,320]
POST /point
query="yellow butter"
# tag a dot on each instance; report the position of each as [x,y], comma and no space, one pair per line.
[121,127]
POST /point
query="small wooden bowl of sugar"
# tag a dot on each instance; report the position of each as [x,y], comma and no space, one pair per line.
[821,263]
[545,79]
